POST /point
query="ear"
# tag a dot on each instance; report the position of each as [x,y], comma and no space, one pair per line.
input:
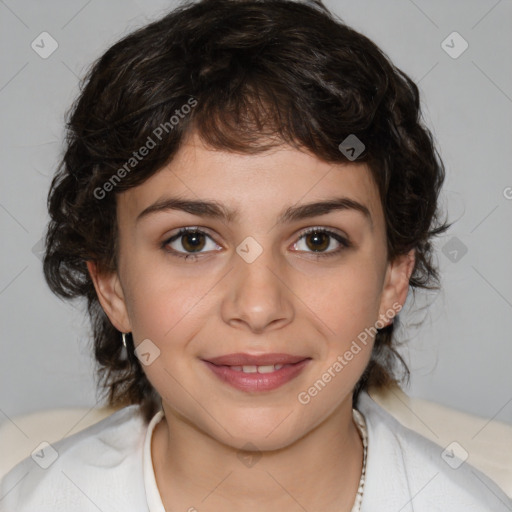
[396,285]
[111,297]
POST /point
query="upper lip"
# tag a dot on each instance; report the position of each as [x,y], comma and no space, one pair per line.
[241,359]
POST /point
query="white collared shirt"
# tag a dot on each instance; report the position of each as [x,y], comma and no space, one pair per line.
[108,467]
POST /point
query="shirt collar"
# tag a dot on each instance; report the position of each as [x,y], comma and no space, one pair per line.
[385,467]
[386,473]
[152,494]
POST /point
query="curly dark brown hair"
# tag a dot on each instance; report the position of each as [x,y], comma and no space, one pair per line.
[258,73]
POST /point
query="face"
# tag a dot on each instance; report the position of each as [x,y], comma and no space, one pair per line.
[248,319]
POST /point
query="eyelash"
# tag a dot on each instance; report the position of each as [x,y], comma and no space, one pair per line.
[345,244]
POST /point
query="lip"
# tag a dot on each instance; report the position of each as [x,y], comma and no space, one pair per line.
[256,382]
[241,359]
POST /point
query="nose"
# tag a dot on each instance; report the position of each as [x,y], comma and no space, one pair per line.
[257,297]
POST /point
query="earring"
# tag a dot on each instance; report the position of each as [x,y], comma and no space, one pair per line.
[123,337]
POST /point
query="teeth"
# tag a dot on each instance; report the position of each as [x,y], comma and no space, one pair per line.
[266,369]
[258,369]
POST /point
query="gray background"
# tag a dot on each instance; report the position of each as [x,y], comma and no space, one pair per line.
[460,356]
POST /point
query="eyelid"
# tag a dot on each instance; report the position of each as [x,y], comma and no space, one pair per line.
[323,229]
[176,234]
[340,237]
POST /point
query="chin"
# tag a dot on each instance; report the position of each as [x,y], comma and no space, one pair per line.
[263,431]
[261,442]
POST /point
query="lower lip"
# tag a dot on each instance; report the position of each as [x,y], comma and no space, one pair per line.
[257,381]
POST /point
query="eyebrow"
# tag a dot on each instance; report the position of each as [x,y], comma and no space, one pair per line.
[216,210]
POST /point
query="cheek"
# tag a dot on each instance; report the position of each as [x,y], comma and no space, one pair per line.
[160,301]
[348,310]
[347,301]
[167,318]
[347,306]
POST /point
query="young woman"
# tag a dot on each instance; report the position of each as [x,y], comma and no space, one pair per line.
[246,198]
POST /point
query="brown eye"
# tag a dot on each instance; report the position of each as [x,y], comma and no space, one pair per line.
[317,241]
[193,241]
[189,242]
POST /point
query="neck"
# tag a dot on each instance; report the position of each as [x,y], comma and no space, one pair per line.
[320,471]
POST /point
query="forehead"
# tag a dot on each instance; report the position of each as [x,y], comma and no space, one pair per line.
[255,184]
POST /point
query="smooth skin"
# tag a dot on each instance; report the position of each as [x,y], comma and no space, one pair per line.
[290,299]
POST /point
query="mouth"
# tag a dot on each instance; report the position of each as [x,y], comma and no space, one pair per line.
[263,372]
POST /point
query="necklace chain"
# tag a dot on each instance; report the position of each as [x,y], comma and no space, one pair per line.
[363,432]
